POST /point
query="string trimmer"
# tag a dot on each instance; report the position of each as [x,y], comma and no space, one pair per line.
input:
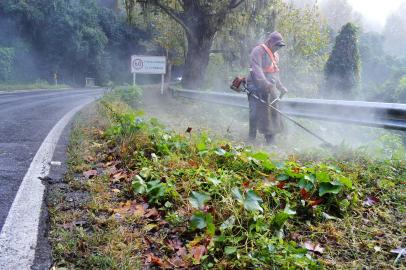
[239,85]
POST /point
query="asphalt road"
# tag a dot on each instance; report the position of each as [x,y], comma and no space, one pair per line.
[25,120]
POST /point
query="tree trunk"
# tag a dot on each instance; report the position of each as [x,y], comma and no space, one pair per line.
[197,59]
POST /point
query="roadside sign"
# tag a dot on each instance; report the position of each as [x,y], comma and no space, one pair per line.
[148,64]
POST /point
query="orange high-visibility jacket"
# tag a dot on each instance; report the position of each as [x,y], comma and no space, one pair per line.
[273,68]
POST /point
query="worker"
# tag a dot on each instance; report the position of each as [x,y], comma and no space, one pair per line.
[263,81]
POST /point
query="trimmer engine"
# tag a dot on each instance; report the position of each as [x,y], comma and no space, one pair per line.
[238,84]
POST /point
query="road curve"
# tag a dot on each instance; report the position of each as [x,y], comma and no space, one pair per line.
[25,120]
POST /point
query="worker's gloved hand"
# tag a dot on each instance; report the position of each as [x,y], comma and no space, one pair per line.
[271,89]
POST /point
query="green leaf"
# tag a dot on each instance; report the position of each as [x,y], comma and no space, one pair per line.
[252,201]
[201,146]
[323,177]
[228,224]
[329,188]
[306,184]
[230,250]
[268,165]
[198,220]
[198,199]
[214,181]
[201,220]
[156,190]
[279,220]
[310,177]
[261,156]
[282,177]
[344,204]
[138,185]
[346,181]
[237,194]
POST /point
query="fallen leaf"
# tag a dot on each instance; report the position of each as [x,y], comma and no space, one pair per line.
[246,184]
[152,212]
[304,194]
[315,202]
[119,175]
[115,190]
[90,158]
[130,208]
[182,252]
[370,201]
[296,170]
[175,244]
[328,217]
[281,185]
[90,174]
[154,260]
[178,262]
[315,247]
[198,252]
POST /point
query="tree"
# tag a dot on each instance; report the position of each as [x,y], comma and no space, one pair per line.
[342,70]
[75,39]
[201,20]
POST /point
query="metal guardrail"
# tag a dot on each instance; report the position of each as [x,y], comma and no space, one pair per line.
[372,114]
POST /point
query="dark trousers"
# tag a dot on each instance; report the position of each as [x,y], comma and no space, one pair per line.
[256,111]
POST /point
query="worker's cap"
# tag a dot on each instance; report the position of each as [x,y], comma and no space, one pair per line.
[276,39]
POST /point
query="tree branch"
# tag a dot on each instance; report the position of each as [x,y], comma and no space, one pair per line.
[177,16]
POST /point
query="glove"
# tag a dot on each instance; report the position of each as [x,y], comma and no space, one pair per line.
[271,89]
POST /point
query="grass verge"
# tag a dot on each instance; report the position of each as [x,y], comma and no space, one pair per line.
[140,196]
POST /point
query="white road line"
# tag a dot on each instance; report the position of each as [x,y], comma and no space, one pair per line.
[18,238]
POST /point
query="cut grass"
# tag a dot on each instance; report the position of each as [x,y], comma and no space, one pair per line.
[140,211]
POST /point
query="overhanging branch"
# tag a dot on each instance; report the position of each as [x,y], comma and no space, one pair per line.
[174,15]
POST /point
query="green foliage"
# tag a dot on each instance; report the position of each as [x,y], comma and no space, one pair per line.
[75,39]
[302,60]
[342,71]
[7,57]
[131,95]
[198,199]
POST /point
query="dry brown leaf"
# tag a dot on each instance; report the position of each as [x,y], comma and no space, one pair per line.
[178,262]
[152,212]
[90,174]
[182,252]
[130,208]
[315,247]
[154,260]
[90,158]
[198,252]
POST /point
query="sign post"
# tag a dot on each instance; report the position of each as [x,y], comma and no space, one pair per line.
[149,65]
